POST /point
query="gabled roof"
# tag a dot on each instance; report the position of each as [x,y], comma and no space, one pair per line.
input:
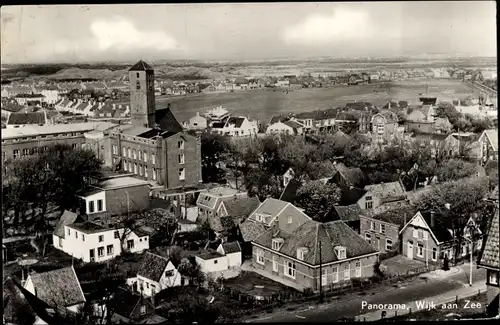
[233,247]
[236,121]
[311,235]
[398,216]
[152,266]
[58,287]
[492,135]
[240,206]
[27,118]
[270,207]
[278,118]
[490,256]
[124,302]
[290,192]
[250,229]
[141,66]
[348,212]
[67,218]
[353,175]
[293,124]
[387,192]
[13,301]
[390,117]
[167,121]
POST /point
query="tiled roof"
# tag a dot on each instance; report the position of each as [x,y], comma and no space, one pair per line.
[353,175]
[490,256]
[387,192]
[348,212]
[240,206]
[13,301]
[26,118]
[124,302]
[152,266]
[398,216]
[141,66]
[67,218]
[492,135]
[87,227]
[270,207]
[278,118]
[351,195]
[167,121]
[429,136]
[442,226]
[236,121]
[232,247]
[208,254]
[390,117]
[250,230]
[293,124]
[11,106]
[58,287]
[311,235]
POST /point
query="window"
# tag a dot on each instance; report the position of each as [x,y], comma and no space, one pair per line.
[129,153]
[182,174]
[146,171]
[140,154]
[289,220]
[368,198]
[83,237]
[143,309]
[368,238]
[100,251]
[137,85]
[388,244]
[372,225]
[275,264]
[181,158]
[101,238]
[26,152]
[69,231]
[124,152]
[215,261]
[91,207]
[420,234]
[415,233]
[154,174]
[135,168]
[358,269]
[134,154]
[382,228]
[492,277]
[141,170]
[324,277]
[109,249]
[341,253]
[420,250]
[16,153]
[125,166]
[153,158]
[434,253]
[137,74]
[180,144]
[260,256]
[99,205]
[169,273]
[60,242]
[290,269]
[130,166]
[335,274]
[76,234]
[115,150]
[426,235]
[347,272]
[145,156]
[130,244]
[276,244]
[258,217]
[368,205]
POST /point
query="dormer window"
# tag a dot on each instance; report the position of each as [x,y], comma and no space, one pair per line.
[341,252]
[258,217]
[277,243]
[301,253]
[289,220]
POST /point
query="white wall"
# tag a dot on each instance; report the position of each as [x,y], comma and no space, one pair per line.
[165,282]
[94,198]
[213,265]
[278,128]
[234,259]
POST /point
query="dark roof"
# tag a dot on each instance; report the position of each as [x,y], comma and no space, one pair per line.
[156,132]
[312,234]
[387,192]
[353,175]
[278,118]
[290,192]
[429,136]
[152,266]
[27,118]
[11,105]
[141,66]
[208,254]
[441,228]
[348,212]
[293,124]
[232,247]
[167,121]
[13,301]
[67,218]
[236,121]
[87,227]
[250,230]
[58,287]
[351,195]
[124,302]
[241,205]
[399,216]
[490,256]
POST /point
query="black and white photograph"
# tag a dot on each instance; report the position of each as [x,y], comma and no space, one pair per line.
[260,162]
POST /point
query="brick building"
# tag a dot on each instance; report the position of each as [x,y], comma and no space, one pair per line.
[154,147]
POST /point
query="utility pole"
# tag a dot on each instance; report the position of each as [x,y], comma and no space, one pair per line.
[320,275]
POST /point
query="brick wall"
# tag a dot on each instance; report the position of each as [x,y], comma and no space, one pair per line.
[192,161]
[391,233]
[116,200]
[8,146]
[428,246]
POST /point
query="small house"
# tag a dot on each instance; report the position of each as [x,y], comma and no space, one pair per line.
[211,261]
[233,252]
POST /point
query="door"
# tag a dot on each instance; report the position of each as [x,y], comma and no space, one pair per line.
[92,255]
[275,264]
[409,250]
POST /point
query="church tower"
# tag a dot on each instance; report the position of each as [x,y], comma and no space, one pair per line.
[142,95]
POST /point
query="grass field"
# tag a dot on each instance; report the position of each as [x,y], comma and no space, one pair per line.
[263,103]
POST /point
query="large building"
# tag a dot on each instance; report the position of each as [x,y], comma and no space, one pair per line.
[154,147]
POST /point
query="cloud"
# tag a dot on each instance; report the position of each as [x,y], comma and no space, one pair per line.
[121,34]
[341,25]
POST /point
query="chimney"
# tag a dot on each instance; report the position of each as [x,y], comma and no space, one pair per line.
[433,218]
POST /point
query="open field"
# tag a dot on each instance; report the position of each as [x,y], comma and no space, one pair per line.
[262,104]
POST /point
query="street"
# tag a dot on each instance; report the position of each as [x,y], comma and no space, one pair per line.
[419,288]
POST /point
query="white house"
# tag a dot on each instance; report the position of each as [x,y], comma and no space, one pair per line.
[283,83]
[58,288]
[217,114]
[286,127]
[232,251]
[196,122]
[51,94]
[157,273]
[211,261]
[95,243]
[236,127]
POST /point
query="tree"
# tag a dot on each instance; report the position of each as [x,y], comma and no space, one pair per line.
[213,149]
[189,268]
[317,198]
[455,169]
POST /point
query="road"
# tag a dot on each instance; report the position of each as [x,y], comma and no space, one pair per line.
[417,289]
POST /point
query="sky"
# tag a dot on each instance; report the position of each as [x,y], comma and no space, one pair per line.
[128,32]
